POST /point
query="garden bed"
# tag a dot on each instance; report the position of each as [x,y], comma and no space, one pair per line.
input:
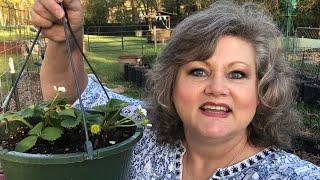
[306,145]
[28,91]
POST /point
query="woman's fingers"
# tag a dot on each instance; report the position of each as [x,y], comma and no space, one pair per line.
[39,21]
[40,16]
[48,14]
[53,8]
[55,33]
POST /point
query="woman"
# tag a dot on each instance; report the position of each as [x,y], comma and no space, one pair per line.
[221,96]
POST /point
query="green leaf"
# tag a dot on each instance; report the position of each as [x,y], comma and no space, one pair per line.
[94,119]
[115,104]
[53,114]
[26,144]
[51,133]
[100,107]
[4,116]
[112,108]
[70,123]
[10,117]
[58,101]
[32,111]
[67,112]
[36,130]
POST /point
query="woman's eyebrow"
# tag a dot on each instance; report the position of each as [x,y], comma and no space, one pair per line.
[239,62]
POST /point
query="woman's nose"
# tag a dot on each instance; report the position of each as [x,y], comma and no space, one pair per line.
[217,86]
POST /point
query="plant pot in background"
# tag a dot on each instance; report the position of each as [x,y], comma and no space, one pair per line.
[311,94]
[126,71]
[132,73]
[130,59]
[141,76]
[108,163]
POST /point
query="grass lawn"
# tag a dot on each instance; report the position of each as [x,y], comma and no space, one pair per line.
[103,57]
[4,60]
[15,33]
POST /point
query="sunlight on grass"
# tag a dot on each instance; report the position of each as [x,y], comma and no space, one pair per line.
[15,33]
[103,52]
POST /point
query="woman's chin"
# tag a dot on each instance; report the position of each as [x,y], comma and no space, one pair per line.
[213,132]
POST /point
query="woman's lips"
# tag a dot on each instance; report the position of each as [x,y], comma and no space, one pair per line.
[215,110]
[215,113]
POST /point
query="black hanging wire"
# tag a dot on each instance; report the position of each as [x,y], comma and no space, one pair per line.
[6,102]
[88,143]
[83,55]
[67,28]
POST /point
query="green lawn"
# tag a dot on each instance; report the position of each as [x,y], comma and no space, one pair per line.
[103,55]
[14,33]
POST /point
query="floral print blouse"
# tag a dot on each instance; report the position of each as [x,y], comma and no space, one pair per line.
[151,161]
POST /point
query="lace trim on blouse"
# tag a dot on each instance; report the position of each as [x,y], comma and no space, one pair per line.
[228,171]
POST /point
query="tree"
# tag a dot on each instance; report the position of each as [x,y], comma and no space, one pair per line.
[14,12]
[95,12]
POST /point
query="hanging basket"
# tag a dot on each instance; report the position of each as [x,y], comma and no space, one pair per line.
[108,163]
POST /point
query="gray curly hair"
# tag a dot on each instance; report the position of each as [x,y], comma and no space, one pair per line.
[195,38]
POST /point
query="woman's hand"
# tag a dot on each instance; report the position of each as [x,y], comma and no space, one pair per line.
[48,15]
[55,68]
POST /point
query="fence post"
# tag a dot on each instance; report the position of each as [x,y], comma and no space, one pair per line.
[141,40]
[122,37]
[13,78]
[88,37]
[155,37]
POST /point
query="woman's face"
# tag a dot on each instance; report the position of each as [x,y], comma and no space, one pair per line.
[217,98]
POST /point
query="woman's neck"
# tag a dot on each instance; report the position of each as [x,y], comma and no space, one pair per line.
[203,158]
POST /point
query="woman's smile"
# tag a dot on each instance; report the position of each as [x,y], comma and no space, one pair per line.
[215,110]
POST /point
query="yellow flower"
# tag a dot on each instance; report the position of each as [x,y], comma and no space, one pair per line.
[95,129]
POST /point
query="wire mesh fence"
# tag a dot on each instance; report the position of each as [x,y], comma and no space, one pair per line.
[304,54]
[129,39]
[16,37]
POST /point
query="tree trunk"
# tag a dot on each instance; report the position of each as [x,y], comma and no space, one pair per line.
[134,11]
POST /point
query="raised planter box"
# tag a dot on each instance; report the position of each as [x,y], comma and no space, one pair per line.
[132,73]
[311,94]
[141,76]
[128,59]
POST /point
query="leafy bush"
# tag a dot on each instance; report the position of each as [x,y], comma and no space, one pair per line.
[149,58]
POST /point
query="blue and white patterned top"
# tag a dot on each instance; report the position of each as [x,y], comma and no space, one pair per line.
[151,161]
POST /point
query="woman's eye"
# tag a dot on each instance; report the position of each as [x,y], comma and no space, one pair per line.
[198,72]
[237,75]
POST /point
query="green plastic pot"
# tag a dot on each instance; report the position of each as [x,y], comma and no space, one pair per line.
[108,163]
